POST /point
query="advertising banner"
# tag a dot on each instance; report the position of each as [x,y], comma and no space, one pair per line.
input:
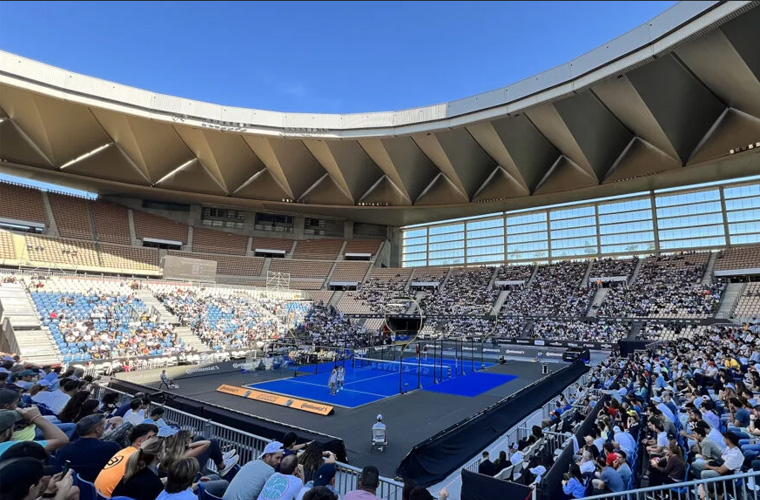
[275,399]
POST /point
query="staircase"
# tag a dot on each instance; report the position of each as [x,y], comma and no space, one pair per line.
[266,266]
[601,293]
[336,298]
[729,299]
[584,281]
[190,339]
[412,308]
[22,329]
[636,271]
[532,276]
[151,301]
[636,327]
[707,279]
[500,301]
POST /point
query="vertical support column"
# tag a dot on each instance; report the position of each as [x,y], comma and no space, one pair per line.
[549,236]
[598,233]
[724,215]
[504,222]
[655,226]
[299,225]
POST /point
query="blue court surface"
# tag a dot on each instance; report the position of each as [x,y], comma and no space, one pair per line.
[367,382]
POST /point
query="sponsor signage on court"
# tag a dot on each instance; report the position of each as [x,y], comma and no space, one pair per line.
[276,399]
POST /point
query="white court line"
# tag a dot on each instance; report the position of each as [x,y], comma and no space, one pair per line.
[372,378]
[352,390]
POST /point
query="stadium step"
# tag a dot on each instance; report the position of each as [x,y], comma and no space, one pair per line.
[37,346]
[584,281]
[149,300]
[16,306]
[336,298]
[707,279]
[729,299]
[601,293]
[500,301]
[532,276]
[636,271]
[190,339]
[266,266]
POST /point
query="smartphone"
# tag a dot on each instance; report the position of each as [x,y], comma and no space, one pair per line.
[66,467]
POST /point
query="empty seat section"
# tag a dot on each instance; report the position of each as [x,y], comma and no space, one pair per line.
[6,246]
[429,273]
[362,246]
[132,258]
[208,240]
[347,270]
[265,243]
[748,305]
[323,296]
[61,251]
[152,226]
[318,249]
[111,222]
[72,216]
[738,258]
[21,203]
[307,269]
[227,265]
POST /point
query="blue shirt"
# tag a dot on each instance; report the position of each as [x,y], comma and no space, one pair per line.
[612,479]
[742,416]
[574,488]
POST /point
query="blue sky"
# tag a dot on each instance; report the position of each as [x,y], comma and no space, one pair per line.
[332,57]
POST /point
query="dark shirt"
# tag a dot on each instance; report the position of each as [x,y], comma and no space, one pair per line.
[88,456]
[487,467]
[123,409]
[145,485]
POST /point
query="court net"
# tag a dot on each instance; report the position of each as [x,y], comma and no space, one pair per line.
[411,366]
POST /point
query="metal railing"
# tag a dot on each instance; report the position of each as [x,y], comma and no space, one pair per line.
[733,487]
[250,446]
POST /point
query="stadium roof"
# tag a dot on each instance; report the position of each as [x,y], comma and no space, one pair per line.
[660,106]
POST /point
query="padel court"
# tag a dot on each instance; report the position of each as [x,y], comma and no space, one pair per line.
[370,380]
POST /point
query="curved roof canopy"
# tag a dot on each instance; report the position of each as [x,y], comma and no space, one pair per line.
[659,106]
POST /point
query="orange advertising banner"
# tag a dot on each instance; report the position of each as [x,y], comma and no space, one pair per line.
[268,397]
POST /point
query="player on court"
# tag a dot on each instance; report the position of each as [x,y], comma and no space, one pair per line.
[341,377]
[333,381]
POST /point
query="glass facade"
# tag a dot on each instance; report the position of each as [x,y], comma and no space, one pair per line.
[669,220]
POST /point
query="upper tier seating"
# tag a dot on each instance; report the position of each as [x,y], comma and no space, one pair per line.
[350,270]
[266,243]
[322,296]
[514,273]
[555,291]
[736,258]
[61,251]
[21,203]
[668,286]
[152,226]
[748,305]
[210,241]
[7,250]
[465,292]
[603,331]
[429,274]
[302,268]
[227,265]
[129,258]
[318,249]
[608,268]
[362,246]
[111,222]
[382,285]
[72,216]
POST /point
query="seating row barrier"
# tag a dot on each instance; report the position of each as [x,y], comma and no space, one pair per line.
[250,446]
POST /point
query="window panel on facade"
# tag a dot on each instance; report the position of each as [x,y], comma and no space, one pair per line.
[484,224]
[528,255]
[490,250]
[638,215]
[744,228]
[485,258]
[742,204]
[448,245]
[574,233]
[413,233]
[446,254]
[572,213]
[527,228]
[485,242]
[742,191]
[687,198]
[415,248]
[743,215]
[690,221]
[447,262]
[574,252]
[627,238]
[528,247]
[420,263]
[691,232]
[571,223]
[416,241]
[628,248]
[625,206]
[415,256]
[452,228]
[627,227]
[692,243]
[573,243]
[685,210]
[516,220]
[523,238]
[484,233]
[745,239]
[446,237]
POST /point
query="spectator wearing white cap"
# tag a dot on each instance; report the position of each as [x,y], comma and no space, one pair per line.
[251,478]
[516,455]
